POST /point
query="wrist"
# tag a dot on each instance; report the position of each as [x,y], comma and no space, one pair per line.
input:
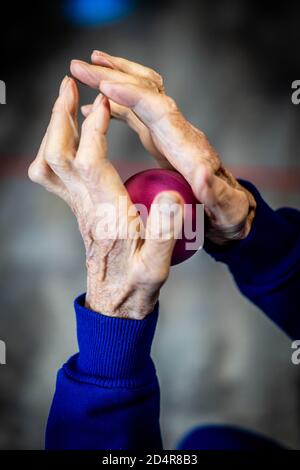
[223,235]
[251,213]
[119,299]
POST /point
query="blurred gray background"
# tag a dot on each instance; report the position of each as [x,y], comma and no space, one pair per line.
[229,65]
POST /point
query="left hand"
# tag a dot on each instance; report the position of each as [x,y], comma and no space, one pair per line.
[126,264]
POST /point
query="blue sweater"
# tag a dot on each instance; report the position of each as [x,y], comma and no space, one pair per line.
[107,395]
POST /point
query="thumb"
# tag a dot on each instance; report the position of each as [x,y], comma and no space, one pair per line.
[164,227]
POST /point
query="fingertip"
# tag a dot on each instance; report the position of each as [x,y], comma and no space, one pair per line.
[166,218]
[63,84]
[106,104]
[85,73]
[86,109]
[97,115]
[95,52]
[76,63]
[99,58]
[73,86]
[75,67]
[69,94]
[101,101]
[97,101]
[169,198]
[94,56]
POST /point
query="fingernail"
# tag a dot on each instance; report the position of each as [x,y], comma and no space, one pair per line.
[75,63]
[103,59]
[68,93]
[105,62]
[97,52]
[64,84]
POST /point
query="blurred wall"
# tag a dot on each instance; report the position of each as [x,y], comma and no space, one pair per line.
[230,69]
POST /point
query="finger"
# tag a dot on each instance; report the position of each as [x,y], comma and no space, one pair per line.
[116,110]
[62,134]
[101,178]
[164,226]
[127,66]
[183,145]
[92,147]
[127,115]
[92,75]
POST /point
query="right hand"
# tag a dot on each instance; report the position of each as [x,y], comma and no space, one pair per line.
[137,96]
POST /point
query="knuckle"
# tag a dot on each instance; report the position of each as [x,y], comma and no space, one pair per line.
[222,197]
[52,157]
[169,103]
[159,80]
[36,172]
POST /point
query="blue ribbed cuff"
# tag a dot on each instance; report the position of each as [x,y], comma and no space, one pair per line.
[113,350]
[267,251]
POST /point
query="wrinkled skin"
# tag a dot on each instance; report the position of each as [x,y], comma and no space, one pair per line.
[124,274]
[137,96]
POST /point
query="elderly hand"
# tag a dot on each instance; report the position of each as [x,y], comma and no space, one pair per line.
[126,263]
[137,96]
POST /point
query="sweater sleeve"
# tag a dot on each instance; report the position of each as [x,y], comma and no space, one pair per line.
[266,265]
[107,395]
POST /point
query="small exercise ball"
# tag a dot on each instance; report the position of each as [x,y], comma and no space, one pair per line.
[144,186]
